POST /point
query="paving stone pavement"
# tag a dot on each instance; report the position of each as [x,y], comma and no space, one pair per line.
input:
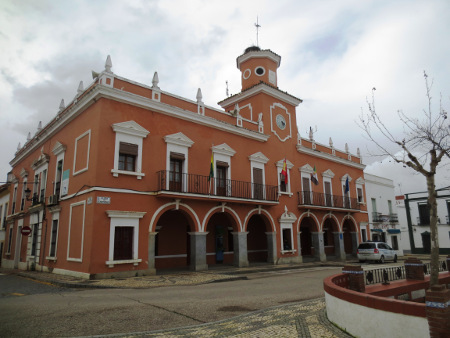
[302,319]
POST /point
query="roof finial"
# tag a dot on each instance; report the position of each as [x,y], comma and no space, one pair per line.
[258,26]
[108,64]
[155,80]
[80,88]
[62,105]
[39,128]
[199,96]
[29,137]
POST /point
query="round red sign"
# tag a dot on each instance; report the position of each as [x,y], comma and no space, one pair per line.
[26,231]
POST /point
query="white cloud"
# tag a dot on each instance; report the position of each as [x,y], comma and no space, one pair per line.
[332,52]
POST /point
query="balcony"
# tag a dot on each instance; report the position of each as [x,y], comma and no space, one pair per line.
[321,200]
[201,187]
[393,218]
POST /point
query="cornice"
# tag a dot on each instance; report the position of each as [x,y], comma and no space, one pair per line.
[330,157]
[257,89]
[101,91]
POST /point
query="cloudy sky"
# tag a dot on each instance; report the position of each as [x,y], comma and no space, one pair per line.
[333,54]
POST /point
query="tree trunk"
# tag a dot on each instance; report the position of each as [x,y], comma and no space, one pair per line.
[434,276]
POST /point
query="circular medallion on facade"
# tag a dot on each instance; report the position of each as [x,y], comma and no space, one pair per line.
[260,71]
[281,122]
[246,74]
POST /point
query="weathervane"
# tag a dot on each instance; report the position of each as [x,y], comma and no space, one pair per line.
[257,25]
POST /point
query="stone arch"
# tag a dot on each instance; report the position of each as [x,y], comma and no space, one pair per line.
[309,228]
[194,219]
[258,211]
[222,208]
[220,223]
[350,234]
[261,236]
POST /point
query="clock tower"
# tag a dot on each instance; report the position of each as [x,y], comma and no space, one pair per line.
[257,66]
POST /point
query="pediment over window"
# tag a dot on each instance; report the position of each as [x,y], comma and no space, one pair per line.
[131,128]
[307,169]
[58,148]
[179,139]
[328,173]
[258,157]
[23,173]
[344,178]
[40,161]
[223,149]
[280,163]
[360,180]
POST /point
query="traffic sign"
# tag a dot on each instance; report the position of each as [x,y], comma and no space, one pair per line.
[26,231]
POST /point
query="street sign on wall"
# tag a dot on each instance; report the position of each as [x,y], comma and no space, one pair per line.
[26,231]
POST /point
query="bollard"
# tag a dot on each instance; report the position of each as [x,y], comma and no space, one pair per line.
[356,277]
[414,269]
[437,301]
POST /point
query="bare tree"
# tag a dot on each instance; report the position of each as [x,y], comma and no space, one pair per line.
[422,145]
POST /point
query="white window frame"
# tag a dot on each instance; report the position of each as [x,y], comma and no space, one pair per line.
[223,153]
[59,150]
[258,160]
[343,179]
[289,166]
[55,217]
[286,222]
[305,172]
[129,132]
[359,184]
[82,170]
[124,219]
[178,143]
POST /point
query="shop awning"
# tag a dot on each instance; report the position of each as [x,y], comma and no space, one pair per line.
[393,231]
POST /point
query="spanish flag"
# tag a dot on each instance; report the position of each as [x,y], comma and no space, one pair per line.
[284,172]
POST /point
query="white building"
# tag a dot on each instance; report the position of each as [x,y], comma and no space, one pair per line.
[384,222]
[420,220]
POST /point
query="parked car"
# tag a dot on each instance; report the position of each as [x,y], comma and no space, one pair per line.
[376,251]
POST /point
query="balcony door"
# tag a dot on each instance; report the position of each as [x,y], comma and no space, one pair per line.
[176,172]
[221,180]
[258,191]
[328,199]
[306,191]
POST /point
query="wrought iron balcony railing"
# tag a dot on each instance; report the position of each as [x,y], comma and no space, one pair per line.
[327,200]
[203,185]
[393,218]
[377,216]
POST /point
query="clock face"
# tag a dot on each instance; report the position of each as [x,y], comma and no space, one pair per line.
[281,122]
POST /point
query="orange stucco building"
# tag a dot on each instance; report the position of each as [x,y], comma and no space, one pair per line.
[120,182]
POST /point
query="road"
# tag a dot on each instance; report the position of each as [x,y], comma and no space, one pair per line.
[109,311]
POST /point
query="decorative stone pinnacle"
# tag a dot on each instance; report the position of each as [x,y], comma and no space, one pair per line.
[155,80]
[108,64]
[29,136]
[199,96]
[80,88]
[62,105]
[19,147]
[39,128]
[346,147]
[331,143]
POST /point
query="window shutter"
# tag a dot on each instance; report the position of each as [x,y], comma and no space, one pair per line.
[128,148]
[176,156]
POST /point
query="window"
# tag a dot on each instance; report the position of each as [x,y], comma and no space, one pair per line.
[123,237]
[222,158]
[394,242]
[328,195]
[54,237]
[424,213]
[390,207]
[128,149]
[283,187]
[59,151]
[221,178]
[284,184]
[2,224]
[359,191]
[287,240]
[13,208]
[176,172]
[257,165]
[123,243]
[306,190]
[22,201]
[10,234]
[34,239]
[363,235]
[127,156]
